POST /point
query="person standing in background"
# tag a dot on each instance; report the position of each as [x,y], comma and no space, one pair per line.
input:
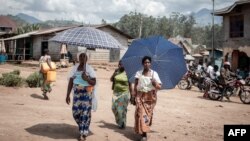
[45,85]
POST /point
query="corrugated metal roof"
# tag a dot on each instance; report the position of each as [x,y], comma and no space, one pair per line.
[25,35]
[52,30]
[230,8]
[58,29]
[39,32]
[112,27]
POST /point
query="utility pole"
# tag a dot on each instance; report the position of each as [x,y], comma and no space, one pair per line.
[140,28]
[213,60]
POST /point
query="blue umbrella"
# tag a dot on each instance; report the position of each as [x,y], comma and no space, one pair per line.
[167,59]
[87,37]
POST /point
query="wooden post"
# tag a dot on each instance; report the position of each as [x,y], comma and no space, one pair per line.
[24,49]
[14,50]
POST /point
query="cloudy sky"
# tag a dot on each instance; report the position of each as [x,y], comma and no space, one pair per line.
[92,11]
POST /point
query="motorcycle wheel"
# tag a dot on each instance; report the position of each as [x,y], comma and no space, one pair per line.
[183,84]
[202,87]
[213,96]
[244,96]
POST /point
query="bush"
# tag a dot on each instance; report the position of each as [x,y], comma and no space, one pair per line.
[11,80]
[33,80]
[16,72]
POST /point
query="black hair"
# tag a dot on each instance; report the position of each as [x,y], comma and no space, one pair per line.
[216,67]
[146,58]
[86,56]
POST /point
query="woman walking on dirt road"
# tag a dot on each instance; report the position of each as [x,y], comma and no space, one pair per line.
[82,79]
[147,82]
[121,95]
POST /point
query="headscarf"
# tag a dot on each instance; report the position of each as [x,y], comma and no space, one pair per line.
[85,52]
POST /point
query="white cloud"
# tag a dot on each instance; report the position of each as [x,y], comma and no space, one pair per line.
[92,11]
[154,8]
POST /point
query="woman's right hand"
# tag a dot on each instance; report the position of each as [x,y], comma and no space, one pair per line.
[68,100]
[132,100]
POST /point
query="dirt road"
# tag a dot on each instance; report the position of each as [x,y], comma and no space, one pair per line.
[179,115]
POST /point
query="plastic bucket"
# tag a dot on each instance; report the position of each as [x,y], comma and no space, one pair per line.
[2,58]
[51,76]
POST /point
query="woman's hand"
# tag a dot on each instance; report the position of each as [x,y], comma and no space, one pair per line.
[68,100]
[154,83]
[132,100]
[85,77]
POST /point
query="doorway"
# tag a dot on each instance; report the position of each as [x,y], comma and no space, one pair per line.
[44,46]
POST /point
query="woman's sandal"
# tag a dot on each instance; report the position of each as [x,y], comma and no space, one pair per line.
[144,139]
[45,97]
[82,138]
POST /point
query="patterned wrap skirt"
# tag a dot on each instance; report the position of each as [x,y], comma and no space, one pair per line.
[119,107]
[145,103]
[82,104]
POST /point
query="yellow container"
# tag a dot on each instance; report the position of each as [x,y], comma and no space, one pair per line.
[89,88]
[45,67]
[51,76]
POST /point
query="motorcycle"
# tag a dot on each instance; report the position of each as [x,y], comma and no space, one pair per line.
[215,91]
[247,81]
[192,79]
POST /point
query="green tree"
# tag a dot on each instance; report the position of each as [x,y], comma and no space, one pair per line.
[176,24]
[28,28]
[104,21]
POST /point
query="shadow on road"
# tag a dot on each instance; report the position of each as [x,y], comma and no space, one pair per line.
[128,132]
[224,101]
[37,96]
[55,130]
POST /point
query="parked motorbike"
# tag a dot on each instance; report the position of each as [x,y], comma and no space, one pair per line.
[247,80]
[215,90]
[192,78]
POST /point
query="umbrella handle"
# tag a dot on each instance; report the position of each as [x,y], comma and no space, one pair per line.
[84,69]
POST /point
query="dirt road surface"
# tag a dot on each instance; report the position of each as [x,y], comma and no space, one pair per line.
[180,115]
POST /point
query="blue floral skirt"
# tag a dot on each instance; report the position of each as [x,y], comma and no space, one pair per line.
[82,102]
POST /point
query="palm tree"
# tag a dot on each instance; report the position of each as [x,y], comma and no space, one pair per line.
[28,28]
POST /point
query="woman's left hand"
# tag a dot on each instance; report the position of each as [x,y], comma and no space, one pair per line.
[155,84]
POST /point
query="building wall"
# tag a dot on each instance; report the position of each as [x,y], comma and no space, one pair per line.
[242,44]
[119,37]
[115,55]
[54,48]
[237,42]
[37,47]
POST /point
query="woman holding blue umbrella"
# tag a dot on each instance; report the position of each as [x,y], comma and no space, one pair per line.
[147,82]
